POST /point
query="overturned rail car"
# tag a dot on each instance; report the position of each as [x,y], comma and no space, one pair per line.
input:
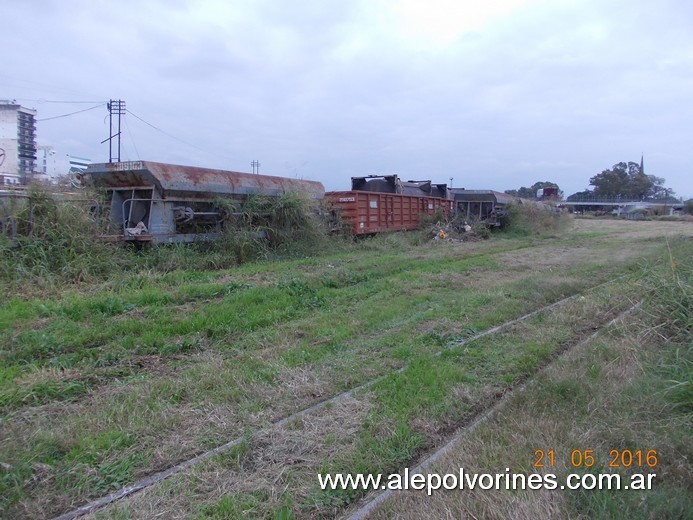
[157,202]
[482,205]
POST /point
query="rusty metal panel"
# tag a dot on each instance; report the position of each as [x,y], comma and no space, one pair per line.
[375,212]
[171,203]
[173,180]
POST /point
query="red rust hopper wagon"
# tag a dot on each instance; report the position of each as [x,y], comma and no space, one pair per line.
[156,202]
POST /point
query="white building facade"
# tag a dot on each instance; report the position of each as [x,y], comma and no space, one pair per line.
[17,143]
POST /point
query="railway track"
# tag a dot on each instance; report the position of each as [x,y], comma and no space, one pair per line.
[178,468]
[379,498]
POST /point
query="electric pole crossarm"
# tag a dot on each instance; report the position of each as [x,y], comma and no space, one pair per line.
[109,138]
[115,107]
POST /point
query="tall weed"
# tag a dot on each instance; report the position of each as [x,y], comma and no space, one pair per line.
[538,219]
[55,242]
[669,303]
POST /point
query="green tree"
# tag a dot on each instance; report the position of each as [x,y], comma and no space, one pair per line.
[688,207]
[580,196]
[531,192]
[628,181]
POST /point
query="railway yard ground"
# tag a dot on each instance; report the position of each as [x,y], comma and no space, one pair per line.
[365,360]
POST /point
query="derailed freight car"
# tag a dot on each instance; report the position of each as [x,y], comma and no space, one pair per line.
[366,213]
[157,202]
[378,204]
[393,184]
[482,205]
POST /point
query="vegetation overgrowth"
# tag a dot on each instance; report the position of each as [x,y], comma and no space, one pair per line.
[536,219]
[55,243]
[668,296]
[657,384]
[621,397]
[688,207]
[117,374]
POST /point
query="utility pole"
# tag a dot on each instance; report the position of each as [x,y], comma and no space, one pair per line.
[115,107]
[256,167]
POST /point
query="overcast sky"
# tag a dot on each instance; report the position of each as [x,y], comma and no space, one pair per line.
[496,94]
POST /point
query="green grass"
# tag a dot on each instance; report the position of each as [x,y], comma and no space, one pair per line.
[413,406]
[186,359]
[234,506]
[616,392]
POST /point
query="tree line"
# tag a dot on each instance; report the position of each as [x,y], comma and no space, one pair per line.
[624,180]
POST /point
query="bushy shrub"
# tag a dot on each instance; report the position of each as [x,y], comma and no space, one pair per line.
[540,219]
[54,241]
[263,226]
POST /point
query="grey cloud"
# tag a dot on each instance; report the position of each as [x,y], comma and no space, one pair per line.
[555,91]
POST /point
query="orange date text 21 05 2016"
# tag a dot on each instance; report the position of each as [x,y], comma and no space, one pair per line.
[587,458]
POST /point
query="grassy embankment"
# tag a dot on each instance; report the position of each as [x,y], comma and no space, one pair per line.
[624,398]
[113,378]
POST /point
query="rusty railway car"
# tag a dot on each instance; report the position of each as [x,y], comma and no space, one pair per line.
[157,202]
[384,203]
[366,213]
[482,205]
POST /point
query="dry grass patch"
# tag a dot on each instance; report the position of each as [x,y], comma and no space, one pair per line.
[252,480]
[606,394]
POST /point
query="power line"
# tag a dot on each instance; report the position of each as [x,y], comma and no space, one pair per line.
[127,126]
[69,102]
[72,113]
[163,132]
[40,101]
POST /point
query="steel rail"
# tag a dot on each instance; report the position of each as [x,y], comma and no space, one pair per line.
[162,475]
[483,416]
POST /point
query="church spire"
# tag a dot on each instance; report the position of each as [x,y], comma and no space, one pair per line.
[642,164]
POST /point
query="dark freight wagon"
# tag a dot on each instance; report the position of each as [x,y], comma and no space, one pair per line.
[393,184]
[482,205]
